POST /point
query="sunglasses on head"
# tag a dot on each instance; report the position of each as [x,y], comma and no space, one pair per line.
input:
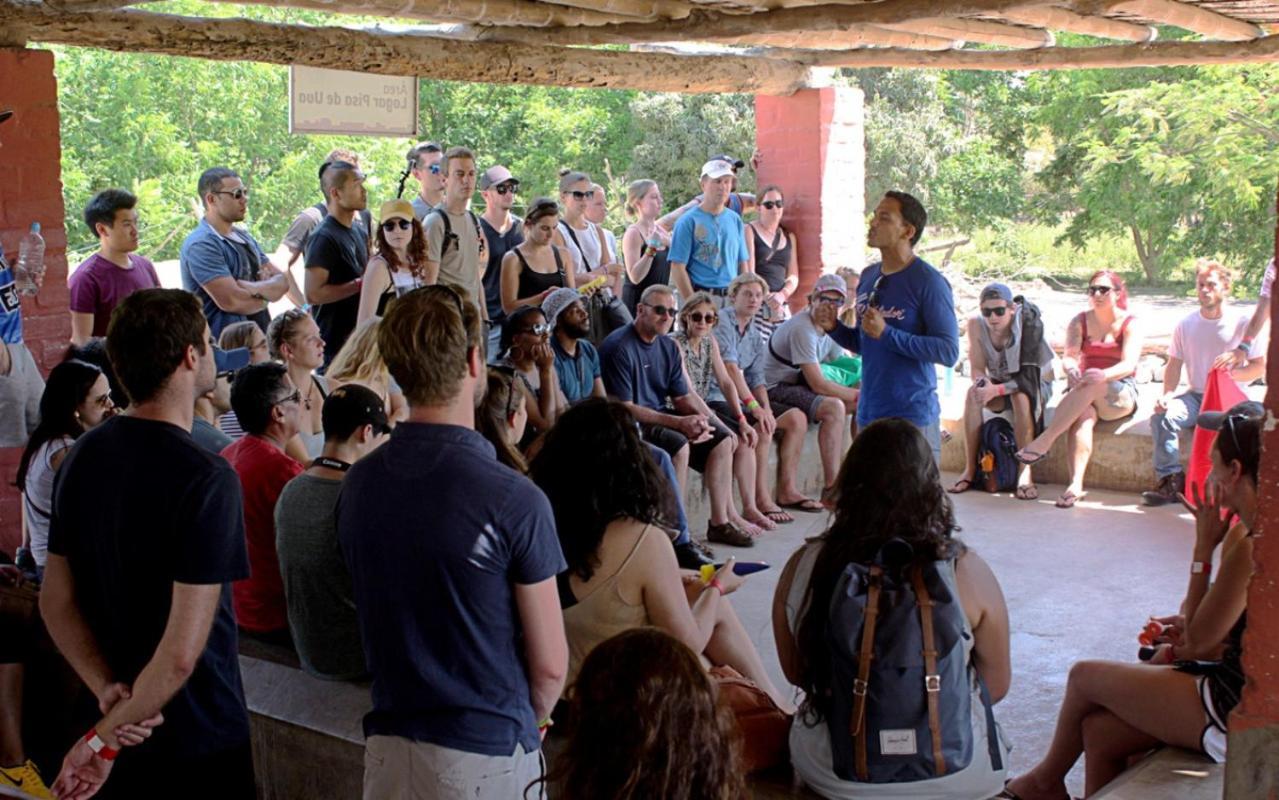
[587,195]
[506,188]
[1098,290]
[1229,424]
[771,204]
[998,312]
[662,311]
[540,329]
[709,317]
[392,224]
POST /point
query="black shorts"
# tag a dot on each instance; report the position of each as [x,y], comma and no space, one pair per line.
[725,413]
[672,441]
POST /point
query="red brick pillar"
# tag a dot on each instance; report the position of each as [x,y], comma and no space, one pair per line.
[811,144]
[31,191]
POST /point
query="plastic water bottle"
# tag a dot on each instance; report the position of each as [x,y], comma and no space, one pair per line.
[29,271]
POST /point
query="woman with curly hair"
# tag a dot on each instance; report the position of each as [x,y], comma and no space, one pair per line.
[888,489]
[645,723]
[622,572]
[399,263]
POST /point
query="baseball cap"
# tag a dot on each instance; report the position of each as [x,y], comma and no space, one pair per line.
[737,163]
[230,360]
[557,301]
[831,283]
[349,407]
[998,291]
[494,176]
[1213,420]
[396,208]
[716,168]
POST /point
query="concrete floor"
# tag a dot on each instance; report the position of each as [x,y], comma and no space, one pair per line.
[1079,584]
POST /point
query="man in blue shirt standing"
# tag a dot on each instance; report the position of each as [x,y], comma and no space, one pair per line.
[708,245]
[453,559]
[906,323]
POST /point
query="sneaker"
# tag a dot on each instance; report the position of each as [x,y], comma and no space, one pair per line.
[728,533]
[27,778]
[693,555]
[1166,490]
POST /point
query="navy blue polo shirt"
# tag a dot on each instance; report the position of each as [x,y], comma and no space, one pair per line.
[436,534]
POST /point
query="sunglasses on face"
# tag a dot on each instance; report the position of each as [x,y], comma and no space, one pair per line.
[1098,291]
[583,195]
[227,375]
[771,204]
[434,169]
[829,300]
[238,194]
[662,311]
[540,329]
[710,317]
[998,312]
[506,188]
[392,224]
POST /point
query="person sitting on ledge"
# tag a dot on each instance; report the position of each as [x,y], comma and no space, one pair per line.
[1001,387]
[1113,711]
[1103,346]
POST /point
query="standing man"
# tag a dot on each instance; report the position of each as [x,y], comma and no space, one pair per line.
[114,272]
[503,231]
[906,323]
[224,266]
[455,248]
[708,246]
[336,257]
[146,537]
[1198,341]
[453,557]
[741,203]
[425,158]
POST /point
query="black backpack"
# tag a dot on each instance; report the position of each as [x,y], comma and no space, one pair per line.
[451,240]
[996,462]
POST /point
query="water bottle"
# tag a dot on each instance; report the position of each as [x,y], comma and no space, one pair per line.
[29,271]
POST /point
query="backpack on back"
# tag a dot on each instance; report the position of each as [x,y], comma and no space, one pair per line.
[996,460]
[901,705]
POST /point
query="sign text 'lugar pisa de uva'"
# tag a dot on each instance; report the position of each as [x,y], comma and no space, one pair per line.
[336,101]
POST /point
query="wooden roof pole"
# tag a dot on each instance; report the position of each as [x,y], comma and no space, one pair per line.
[975,30]
[1193,18]
[1060,19]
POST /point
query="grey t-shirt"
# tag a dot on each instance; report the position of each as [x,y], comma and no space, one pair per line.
[317,584]
[20,392]
[461,257]
[798,341]
[420,207]
[208,436]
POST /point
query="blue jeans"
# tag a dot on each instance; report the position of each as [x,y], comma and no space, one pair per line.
[1182,412]
[932,432]
[494,341]
[663,460]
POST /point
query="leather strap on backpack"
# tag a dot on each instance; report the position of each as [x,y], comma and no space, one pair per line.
[932,680]
[857,724]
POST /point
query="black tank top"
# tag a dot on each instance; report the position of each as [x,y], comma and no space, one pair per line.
[532,283]
[659,272]
[1226,678]
[771,261]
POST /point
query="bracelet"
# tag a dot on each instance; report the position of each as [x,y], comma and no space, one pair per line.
[99,747]
[1245,345]
[1201,568]
[753,404]
[544,724]
[1001,389]
[717,586]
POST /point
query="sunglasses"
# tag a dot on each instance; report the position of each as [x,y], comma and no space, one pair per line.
[829,300]
[873,299]
[434,169]
[228,374]
[512,397]
[771,204]
[296,397]
[506,188]
[662,311]
[583,195]
[998,312]
[540,329]
[392,224]
[1098,290]
[238,194]
[710,317]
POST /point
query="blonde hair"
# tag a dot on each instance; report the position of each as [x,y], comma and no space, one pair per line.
[635,193]
[360,359]
[743,279]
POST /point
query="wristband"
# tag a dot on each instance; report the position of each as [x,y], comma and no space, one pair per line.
[1201,568]
[717,586]
[544,724]
[752,404]
[1001,389]
[99,747]
[1245,345]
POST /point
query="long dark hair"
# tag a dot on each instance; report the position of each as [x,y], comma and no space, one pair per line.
[598,439]
[416,251]
[645,723]
[888,488]
[68,385]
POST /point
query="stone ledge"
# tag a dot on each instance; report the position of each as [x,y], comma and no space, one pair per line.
[1168,772]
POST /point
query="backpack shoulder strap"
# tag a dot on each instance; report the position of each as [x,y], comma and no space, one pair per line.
[448,230]
[559,265]
[857,724]
[573,235]
[932,679]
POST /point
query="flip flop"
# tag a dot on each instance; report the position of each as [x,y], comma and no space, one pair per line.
[1034,458]
[807,506]
[1068,499]
[1027,491]
[962,485]
[780,517]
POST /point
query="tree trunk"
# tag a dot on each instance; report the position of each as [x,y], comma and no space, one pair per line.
[1148,256]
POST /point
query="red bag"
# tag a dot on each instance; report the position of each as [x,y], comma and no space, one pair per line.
[764,728]
[1220,393]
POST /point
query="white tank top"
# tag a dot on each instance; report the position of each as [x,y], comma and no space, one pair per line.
[38,495]
[586,253]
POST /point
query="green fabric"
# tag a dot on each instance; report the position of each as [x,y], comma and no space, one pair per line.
[846,371]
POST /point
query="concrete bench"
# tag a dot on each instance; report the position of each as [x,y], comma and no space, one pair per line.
[1168,772]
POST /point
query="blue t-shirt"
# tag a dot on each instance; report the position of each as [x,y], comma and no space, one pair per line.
[436,534]
[10,307]
[713,247]
[207,255]
[577,375]
[639,372]
[743,348]
[898,378]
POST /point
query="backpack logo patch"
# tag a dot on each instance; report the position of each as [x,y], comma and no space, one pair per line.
[898,742]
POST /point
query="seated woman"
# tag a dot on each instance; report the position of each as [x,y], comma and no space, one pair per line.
[501,418]
[360,361]
[1114,710]
[888,488]
[1103,346]
[536,267]
[645,723]
[622,572]
[526,350]
[399,263]
[294,340]
[705,374]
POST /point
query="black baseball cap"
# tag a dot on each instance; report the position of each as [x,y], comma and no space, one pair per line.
[736,162]
[350,407]
[1213,420]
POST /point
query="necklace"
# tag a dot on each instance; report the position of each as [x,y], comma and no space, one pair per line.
[310,390]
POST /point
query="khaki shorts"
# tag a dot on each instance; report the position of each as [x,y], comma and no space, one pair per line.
[402,769]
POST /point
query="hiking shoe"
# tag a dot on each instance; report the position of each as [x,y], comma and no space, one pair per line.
[1166,490]
[693,555]
[25,777]
[728,533]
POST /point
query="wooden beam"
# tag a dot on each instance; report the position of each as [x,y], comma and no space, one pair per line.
[400,54]
[1152,54]
[859,36]
[975,30]
[1060,19]
[644,9]
[1199,19]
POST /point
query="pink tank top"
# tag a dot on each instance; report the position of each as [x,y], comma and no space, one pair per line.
[1101,355]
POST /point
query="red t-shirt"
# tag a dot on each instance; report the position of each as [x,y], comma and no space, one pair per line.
[263,469]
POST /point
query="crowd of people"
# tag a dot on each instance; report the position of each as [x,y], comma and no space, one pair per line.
[457,469]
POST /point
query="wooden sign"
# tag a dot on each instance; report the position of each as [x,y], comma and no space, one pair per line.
[336,101]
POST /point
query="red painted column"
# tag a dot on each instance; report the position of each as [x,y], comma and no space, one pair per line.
[1252,768]
[811,144]
[31,191]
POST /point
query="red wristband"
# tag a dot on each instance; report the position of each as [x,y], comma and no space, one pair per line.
[717,586]
[99,747]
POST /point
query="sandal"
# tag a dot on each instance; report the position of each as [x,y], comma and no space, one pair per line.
[962,485]
[1069,498]
[1027,491]
[730,534]
[780,517]
[806,505]
[1030,457]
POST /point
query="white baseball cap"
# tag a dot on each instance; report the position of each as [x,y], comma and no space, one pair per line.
[715,168]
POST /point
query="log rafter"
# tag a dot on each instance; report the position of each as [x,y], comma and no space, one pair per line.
[1054,18]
